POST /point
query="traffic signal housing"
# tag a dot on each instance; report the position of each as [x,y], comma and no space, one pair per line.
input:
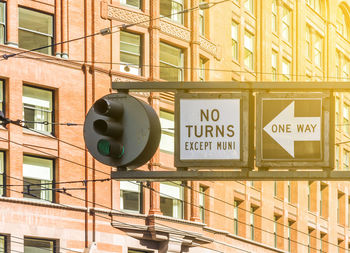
[122,131]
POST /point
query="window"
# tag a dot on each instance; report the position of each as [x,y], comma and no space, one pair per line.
[2,92]
[337,157]
[38,177]
[202,63]
[337,64]
[234,37]
[345,160]
[202,21]
[345,70]
[337,116]
[286,24]
[130,52]
[171,200]
[167,137]
[130,196]
[136,251]
[275,219]
[2,175]
[346,118]
[349,212]
[323,240]
[249,5]
[3,244]
[318,51]
[315,4]
[274,16]
[252,222]
[2,22]
[33,245]
[286,70]
[289,192]
[341,22]
[171,63]
[308,42]
[274,65]
[248,50]
[38,108]
[35,30]
[202,203]
[275,188]
[341,208]
[290,223]
[235,217]
[324,200]
[132,3]
[172,9]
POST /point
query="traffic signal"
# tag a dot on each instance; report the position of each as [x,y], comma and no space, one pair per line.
[121,131]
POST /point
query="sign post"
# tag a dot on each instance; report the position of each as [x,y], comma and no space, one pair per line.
[212,130]
[293,130]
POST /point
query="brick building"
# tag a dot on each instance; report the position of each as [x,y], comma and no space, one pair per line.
[54,195]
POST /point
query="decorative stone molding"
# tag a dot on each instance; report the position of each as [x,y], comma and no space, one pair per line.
[127,16]
[208,46]
[174,30]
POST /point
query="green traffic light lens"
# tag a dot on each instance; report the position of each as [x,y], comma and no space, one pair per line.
[104,147]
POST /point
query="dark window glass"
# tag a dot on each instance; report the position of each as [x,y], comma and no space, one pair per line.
[32,245]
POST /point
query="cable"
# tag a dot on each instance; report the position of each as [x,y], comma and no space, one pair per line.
[84,182]
[108,208]
[64,159]
[105,31]
[186,68]
[108,174]
[92,168]
[248,211]
[222,201]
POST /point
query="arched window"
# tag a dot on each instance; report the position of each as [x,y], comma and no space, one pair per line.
[342,20]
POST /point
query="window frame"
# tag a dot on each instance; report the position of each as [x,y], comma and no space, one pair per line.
[124,3]
[274,12]
[55,243]
[140,196]
[171,15]
[286,23]
[249,6]
[180,201]
[140,69]
[346,159]
[168,132]
[3,90]
[318,49]
[5,20]
[53,108]
[4,175]
[53,184]
[202,196]
[52,48]
[249,53]
[235,40]
[288,64]
[182,60]
[274,65]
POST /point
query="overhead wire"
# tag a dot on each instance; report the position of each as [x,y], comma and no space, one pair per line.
[342,79]
[109,174]
[119,211]
[184,201]
[108,30]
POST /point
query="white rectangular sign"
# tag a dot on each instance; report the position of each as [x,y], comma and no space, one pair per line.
[210,129]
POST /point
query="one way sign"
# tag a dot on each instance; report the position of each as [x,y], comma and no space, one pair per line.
[293,130]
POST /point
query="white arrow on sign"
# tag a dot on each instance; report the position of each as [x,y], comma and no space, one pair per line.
[285,129]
